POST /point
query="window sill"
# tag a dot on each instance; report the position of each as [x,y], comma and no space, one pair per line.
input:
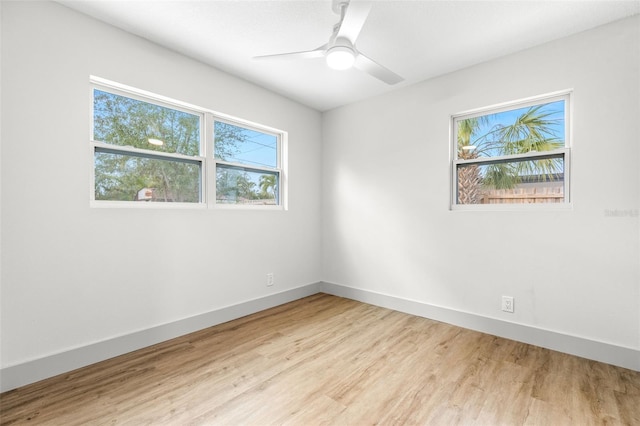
[511,207]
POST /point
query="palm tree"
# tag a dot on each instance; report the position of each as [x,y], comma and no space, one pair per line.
[532,131]
[469,178]
[268,186]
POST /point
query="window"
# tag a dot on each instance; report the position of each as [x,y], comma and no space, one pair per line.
[514,154]
[247,165]
[150,150]
[145,151]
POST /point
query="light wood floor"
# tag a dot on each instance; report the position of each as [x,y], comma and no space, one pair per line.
[325,360]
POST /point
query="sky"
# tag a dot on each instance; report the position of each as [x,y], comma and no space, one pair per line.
[506,118]
[259,149]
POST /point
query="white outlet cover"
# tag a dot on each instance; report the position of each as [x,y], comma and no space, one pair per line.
[507,304]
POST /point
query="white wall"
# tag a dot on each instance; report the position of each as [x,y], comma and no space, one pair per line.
[70,273]
[388,229]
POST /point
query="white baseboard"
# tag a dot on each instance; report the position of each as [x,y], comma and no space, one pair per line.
[30,372]
[579,346]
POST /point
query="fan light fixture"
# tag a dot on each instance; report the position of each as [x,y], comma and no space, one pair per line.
[340,58]
[340,52]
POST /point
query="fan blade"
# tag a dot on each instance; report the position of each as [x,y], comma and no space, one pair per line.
[308,54]
[354,19]
[375,69]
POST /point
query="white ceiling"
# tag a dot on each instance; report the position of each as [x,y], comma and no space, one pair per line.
[417,39]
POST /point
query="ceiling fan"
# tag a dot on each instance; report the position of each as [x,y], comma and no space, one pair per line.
[340,52]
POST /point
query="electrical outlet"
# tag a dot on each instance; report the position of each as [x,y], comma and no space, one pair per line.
[270,279]
[507,304]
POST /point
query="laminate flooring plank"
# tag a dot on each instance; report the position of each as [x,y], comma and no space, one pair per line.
[325,360]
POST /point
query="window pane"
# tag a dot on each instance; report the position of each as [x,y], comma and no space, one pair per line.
[519,131]
[123,121]
[516,182]
[120,177]
[236,185]
[245,146]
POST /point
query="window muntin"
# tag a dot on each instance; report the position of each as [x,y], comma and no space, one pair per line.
[516,154]
[150,148]
[247,165]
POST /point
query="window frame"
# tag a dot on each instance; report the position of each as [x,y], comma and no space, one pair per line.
[564,152]
[279,170]
[206,158]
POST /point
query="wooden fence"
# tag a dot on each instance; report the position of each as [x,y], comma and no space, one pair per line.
[532,195]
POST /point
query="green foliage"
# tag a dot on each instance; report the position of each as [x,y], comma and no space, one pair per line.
[531,131]
[120,176]
[501,176]
[234,184]
[123,121]
[268,185]
[227,140]
[241,185]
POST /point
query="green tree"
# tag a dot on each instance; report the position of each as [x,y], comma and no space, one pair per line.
[469,178]
[123,121]
[268,184]
[234,185]
[228,139]
[128,122]
[531,131]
